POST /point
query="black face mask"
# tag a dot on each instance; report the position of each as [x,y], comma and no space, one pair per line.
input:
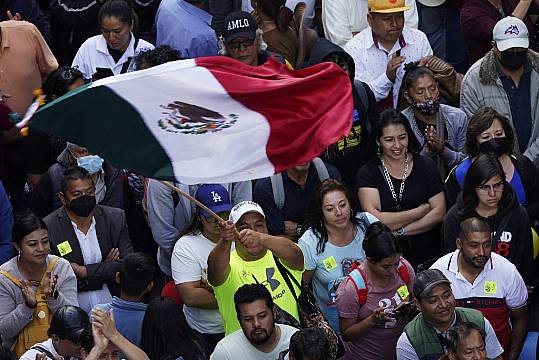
[513,60]
[82,206]
[499,146]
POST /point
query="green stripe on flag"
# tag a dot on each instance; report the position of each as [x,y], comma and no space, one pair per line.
[116,118]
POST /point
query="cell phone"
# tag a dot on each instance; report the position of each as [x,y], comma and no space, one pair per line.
[101,73]
[403,308]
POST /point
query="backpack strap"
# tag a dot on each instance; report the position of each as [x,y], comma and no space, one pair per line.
[403,271]
[277,187]
[11,277]
[461,170]
[362,93]
[41,349]
[321,169]
[360,283]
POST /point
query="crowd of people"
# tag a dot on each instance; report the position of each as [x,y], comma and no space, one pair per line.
[413,237]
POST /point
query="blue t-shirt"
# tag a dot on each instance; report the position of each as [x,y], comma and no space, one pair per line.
[334,262]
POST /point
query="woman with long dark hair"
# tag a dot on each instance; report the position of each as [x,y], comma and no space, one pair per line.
[372,316]
[33,285]
[490,132]
[403,189]
[165,334]
[332,243]
[487,195]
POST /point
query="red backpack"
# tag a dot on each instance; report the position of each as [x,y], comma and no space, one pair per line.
[358,278]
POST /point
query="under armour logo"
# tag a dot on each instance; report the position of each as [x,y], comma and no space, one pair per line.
[513,30]
[216,197]
[273,283]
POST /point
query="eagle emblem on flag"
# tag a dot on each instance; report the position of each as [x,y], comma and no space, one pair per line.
[181,117]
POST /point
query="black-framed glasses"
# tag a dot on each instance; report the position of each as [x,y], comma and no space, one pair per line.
[495,187]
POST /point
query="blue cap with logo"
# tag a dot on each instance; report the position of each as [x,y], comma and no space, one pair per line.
[215,197]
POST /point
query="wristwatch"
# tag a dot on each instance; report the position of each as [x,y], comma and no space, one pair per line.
[400,231]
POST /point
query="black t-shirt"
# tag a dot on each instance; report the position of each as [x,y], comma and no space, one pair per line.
[422,183]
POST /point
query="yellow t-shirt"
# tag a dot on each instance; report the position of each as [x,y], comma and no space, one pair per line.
[263,271]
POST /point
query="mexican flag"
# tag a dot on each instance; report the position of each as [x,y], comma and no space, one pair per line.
[206,120]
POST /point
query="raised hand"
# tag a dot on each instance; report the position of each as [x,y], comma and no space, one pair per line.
[105,323]
[393,65]
[228,231]
[28,294]
[16,17]
[49,284]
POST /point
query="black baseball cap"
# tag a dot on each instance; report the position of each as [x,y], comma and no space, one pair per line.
[68,322]
[240,24]
[427,280]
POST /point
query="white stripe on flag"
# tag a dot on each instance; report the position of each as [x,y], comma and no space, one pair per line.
[244,142]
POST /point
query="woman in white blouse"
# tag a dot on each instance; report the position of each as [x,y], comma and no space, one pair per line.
[112,52]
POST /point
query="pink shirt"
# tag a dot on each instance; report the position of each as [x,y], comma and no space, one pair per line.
[380,341]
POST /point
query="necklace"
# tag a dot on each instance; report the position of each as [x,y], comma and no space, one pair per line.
[390,183]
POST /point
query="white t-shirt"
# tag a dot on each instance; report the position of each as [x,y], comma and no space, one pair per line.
[93,53]
[189,263]
[47,345]
[405,350]
[236,346]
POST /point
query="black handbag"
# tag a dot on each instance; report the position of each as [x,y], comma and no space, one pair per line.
[310,314]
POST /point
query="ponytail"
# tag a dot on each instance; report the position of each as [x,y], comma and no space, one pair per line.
[277,11]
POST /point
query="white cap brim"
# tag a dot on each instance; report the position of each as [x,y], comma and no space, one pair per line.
[503,45]
[243,208]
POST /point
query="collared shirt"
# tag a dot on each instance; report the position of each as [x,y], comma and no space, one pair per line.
[519,103]
[186,28]
[94,54]
[496,290]
[371,60]
[25,60]
[91,253]
[405,350]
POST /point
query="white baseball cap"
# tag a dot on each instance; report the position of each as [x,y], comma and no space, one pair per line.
[510,32]
[243,208]
[432,3]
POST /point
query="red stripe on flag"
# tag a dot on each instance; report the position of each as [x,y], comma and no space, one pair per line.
[307,110]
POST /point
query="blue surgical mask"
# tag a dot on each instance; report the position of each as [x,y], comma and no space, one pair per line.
[92,163]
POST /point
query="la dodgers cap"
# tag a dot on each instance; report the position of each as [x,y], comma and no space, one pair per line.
[215,197]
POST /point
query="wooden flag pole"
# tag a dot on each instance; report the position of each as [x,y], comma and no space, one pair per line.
[198,203]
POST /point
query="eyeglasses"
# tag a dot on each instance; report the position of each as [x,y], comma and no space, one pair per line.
[496,187]
[236,45]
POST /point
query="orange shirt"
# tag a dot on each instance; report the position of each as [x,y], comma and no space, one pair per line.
[25,62]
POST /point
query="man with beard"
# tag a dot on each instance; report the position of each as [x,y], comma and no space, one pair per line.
[259,338]
[489,283]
